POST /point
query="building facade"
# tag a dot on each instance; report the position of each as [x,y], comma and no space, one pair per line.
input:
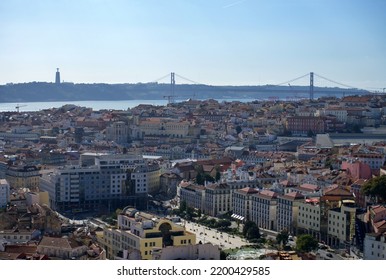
[287,211]
[118,132]
[374,247]
[113,181]
[25,176]
[139,233]
[263,210]
[309,217]
[4,193]
[242,203]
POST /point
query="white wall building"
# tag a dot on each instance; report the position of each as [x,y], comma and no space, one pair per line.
[309,217]
[4,193]
[263,211]
[111,177]
[374,247]
[341,225]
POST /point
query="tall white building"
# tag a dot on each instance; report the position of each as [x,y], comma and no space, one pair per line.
[263,212]
[288,211]
[110,180]
[4,193]
[242,203]
[341,224]
[193,195]
[309,217]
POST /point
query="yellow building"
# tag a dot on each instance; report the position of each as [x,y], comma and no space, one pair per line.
[138,233]
[23,177]
[164,127]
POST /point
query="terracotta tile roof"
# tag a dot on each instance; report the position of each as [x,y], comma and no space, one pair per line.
[27,249]
[9,256]
[381,226]
[309,187]
[67,243]
[294,195]
[378,209]
[248,190]
[267,194]
[217,186]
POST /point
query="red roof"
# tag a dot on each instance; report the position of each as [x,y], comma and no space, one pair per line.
[248,190]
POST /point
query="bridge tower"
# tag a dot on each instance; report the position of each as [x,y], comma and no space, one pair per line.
[311,85]
[172,86]
[57,76]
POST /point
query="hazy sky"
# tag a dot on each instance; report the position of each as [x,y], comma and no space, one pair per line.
[217,42]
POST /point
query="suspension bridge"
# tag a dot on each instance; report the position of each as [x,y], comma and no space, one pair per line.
[309,86]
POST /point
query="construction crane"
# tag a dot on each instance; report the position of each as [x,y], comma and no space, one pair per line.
[18,107]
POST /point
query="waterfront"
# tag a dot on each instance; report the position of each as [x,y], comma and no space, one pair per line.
[97,105]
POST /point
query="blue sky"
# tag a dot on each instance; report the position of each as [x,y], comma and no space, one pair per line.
[217,42]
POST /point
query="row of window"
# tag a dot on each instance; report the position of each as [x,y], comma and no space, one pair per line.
[151,244]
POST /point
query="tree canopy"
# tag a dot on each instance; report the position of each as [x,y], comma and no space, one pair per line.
[251,231]
[306,243]
[282,237]
[375,187]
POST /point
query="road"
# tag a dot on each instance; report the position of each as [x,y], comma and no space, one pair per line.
[326,255]
[215,237]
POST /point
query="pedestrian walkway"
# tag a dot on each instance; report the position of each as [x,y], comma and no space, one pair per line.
[215,237]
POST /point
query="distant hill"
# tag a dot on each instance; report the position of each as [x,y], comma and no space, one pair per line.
[39,91]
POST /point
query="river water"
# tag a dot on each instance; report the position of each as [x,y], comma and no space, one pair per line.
[96,105]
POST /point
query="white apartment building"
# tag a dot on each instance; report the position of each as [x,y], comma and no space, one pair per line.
[341,224]
[147,178]
[242,203]
[18,236]
[309,217]
[218,198]
[374,247]
[193,195]
[287,211]
[375,161]
[263,211]
[111,177]
[4,193]
[339,112]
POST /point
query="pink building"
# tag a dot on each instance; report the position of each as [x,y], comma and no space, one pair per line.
[357,170]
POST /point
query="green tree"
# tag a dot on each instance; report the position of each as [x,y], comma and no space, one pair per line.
[218,175]
[208,178]
[306,243]
[200,179]
[247,226]
[224,224]
[190,212]
[183,206]
[223,255]
[375,187]
[251,231]
[253,234]
[282,237]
